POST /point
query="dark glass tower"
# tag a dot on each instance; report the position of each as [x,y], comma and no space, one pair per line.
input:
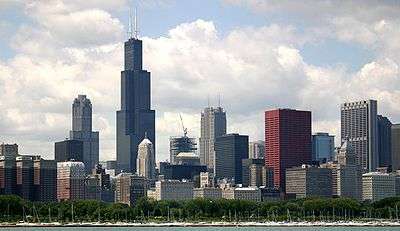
[135,117]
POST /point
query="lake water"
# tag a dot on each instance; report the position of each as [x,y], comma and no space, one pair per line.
[204,229]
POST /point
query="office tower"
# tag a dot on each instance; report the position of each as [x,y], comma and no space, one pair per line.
[8,175]
[173,190]
[377,186]
[213,125]
[181,144]
[246,163]
[71,180]
[323,146]
[82,130]
[346,173]
[45,179]
[384,141]
[68,150]
[257,149]
[359,126]
[25,188]
[309,181]
[396,146]
[261,175]
[135,117]
[146,166]
[9,150]
[111,164]
[230,150]
[287,141]
[92,187]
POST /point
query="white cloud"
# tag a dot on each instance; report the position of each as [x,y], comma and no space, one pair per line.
[74,49]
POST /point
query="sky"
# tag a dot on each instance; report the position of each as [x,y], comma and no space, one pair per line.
[256,54]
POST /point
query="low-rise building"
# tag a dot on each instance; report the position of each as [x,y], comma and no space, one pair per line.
[209,193]
[377,186]
[306,181]
[173,190]
[245,193]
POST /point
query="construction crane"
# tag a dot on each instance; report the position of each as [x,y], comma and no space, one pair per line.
[183,126]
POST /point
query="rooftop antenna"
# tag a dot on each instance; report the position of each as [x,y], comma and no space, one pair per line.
[208,100]
[219,99]
[129,31]
[136,31]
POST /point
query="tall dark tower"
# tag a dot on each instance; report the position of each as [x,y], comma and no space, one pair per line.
[135,117]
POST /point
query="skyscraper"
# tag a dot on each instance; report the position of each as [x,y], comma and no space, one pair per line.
[287,141]
[9,150]
[82,130]
[323,146]
[135,117]
[230,150]
[384,141]
[70,181]
[68,150]
[145,162]
[396,146]
[359,127]
[213,125]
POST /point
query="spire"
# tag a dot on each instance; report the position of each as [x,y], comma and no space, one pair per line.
[129,29]
[136,30]
[145,135]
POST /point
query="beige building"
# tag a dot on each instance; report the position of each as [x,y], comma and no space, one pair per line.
[70,180]
[306,181]
[145,159]
[346,174]
[206,180]
[172,190]
[246,193]
[209,193]
[377,186]
[129,188]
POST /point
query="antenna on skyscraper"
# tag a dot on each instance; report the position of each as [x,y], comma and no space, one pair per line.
[129,31]
[136,31]
[219,99]
[208,100]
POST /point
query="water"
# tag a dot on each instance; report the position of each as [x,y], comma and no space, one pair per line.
[203,229]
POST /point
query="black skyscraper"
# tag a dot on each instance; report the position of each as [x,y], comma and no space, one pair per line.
[68,150]
[135,117]
[230,150]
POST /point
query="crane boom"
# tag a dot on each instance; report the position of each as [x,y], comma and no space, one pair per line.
[183,126]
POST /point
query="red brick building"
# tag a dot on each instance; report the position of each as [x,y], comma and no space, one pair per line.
[287,141]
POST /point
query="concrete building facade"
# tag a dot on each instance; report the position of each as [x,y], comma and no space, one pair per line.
[307,181]
[245,193]
[173,190]
[146,165]
[213,125]
[207,193]
[257,149]
[359,126]
[377,186]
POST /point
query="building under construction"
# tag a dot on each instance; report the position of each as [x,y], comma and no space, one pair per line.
[181,144]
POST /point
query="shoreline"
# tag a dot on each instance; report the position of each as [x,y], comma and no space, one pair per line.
[211,224]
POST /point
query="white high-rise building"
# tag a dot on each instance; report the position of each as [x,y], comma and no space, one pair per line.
[172,190]
[146,166]
[213,125]
[359,127]
[71,177]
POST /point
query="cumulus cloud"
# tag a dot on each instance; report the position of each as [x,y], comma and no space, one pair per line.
[77,49]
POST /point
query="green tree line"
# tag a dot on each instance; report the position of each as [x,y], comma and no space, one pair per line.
[15,209]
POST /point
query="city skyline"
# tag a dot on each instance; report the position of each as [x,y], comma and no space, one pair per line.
[95,64]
